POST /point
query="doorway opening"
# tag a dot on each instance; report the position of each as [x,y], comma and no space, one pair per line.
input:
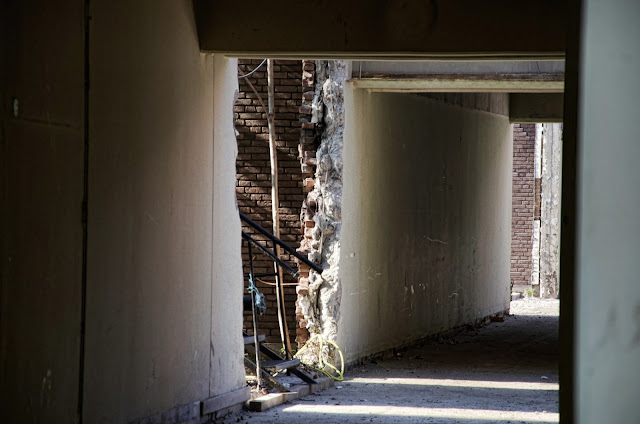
[425,201]
[535,243]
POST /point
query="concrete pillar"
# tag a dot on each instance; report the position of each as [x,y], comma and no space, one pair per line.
[321,306]
[550,211]
[608,228]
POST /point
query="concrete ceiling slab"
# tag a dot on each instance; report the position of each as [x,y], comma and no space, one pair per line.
[500,29]
[535,108]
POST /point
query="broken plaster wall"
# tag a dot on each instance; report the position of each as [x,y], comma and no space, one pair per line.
[164,270]
[321,306]
[550,210]
[537,173]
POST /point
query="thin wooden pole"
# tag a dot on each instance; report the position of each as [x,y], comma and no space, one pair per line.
[275,214]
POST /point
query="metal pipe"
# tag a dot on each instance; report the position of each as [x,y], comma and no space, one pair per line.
[282,244]
[271,255]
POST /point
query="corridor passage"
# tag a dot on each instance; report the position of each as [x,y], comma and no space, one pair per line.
[503,372]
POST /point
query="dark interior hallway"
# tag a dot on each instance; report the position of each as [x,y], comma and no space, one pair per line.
[502,372]
[120,242]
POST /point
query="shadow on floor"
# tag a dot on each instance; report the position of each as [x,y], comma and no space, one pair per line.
[504,372]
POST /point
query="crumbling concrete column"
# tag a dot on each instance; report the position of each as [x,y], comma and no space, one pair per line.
[321,305]
[535,237]
[550,213]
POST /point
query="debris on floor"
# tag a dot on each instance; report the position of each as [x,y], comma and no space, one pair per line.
[499,373]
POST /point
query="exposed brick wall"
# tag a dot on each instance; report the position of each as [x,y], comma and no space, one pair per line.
[523,203]
[253,186]
[308,148]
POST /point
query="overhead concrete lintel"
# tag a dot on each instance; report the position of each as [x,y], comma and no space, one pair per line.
[536,107]
[459,83]
[396,30]
[464,67]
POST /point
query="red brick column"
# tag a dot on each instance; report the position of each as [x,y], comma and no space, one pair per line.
[307,153]
[523,203]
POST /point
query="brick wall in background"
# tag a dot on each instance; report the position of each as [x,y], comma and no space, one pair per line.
[523,202]
[294,88]
[308,148]
[253,182]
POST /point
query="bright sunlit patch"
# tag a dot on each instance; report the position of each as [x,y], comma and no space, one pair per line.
[480,384]
[488,415]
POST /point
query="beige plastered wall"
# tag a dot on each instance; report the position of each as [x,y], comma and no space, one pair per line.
[426,217]
[164,280]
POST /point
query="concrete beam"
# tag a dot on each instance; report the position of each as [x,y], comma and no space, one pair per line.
[472,67]
[393,30]
[462,83]
[536,107]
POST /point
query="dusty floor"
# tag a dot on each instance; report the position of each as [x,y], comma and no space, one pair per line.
[504,372]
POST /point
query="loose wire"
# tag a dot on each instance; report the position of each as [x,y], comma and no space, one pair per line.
[251,73]
[323,365]
[252,289]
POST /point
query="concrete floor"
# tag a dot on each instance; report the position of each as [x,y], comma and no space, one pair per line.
[504,372]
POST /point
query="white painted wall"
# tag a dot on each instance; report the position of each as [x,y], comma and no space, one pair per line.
[608,243]
[227,364]
[426,218]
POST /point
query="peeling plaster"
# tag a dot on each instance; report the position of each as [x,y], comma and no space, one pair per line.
[550,211]
[321,307]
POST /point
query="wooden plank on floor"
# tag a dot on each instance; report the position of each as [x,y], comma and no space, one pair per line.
[267,401]
[265,375]
[302,376]
[295,371]
[281,364]
[274,399]
[225,400]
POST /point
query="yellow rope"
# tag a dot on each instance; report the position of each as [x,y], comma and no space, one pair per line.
[273,284]
[323,365]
